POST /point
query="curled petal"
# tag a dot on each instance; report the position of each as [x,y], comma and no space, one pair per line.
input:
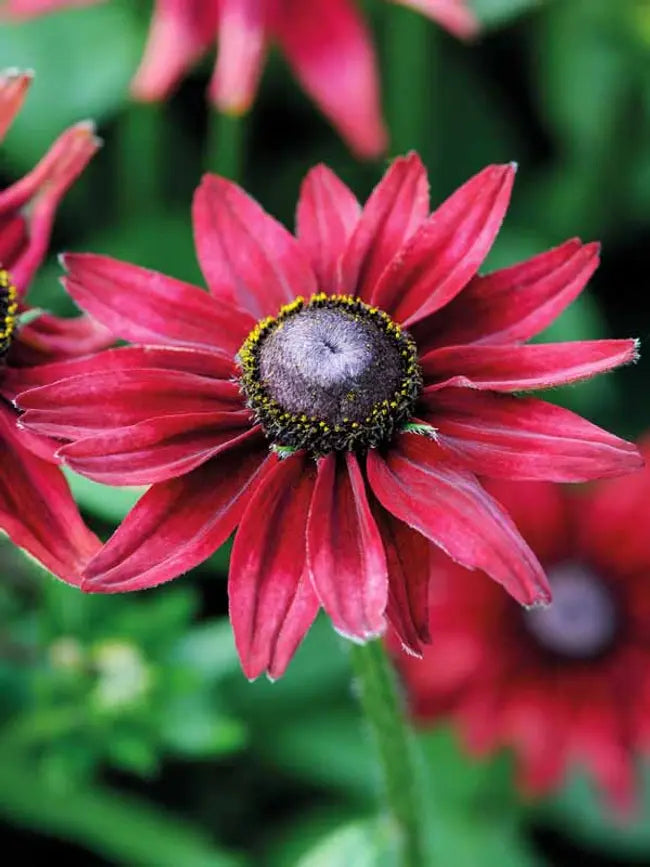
[523,368]
[446,250]
[327,44]
[144,306]
[326,217]
[397,206]
[523,438]
[37,510]
[246,256]
[177,524]
[14,84]
[242,46]
[417,483]
[51,338]
[345,552]
[272,604]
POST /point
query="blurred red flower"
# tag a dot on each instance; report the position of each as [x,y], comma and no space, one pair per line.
[325,42]
[36,508]
[299,353]
[565,685]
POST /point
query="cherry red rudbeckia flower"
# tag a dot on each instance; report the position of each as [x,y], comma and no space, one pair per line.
[566,685]
[325,42]
[36,508]
[301,352]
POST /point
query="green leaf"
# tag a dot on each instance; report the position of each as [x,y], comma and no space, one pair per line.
[359,844]
[492,13]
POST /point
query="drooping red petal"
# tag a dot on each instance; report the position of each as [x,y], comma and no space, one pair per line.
[327,214]
[513,304]
[272,604]
[14,84]
[157,449]
[330,50]
[523,438]
[177,524]
[52,338]
[43,188]
[87,405]
[181,30]
[37,510]
[14,238]
[27,8]
[246,256]
[397,206]
[523,368]
[242,47]
[417,484]
[345,553]
[447,250]
[407,556]
[144,306]
[455,15]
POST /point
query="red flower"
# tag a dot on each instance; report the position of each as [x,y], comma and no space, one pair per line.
[326,43]
[567,684]
[334,377]
[36,508]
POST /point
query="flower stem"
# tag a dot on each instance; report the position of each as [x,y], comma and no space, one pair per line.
[396,747]
[226,145]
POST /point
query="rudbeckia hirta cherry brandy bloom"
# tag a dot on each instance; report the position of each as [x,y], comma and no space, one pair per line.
[564,686]
[293,402]
[325,42]
[36,508]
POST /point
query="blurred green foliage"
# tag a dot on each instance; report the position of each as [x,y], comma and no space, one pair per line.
[126,726]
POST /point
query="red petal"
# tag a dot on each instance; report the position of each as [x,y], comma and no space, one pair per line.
[327,214]
[397,206]
[417,484]
[87,405]
[331,52]
[345,551]
[242,47]
[146,307]
[43,188]
[514,304]
[245,254]
[50,338]
[181,30]
[157,449]
[446,251]
[454,15]
[522,368]
[523,438]
[13,89]
[407,555]
[272,604]
[177,524]
[36,507]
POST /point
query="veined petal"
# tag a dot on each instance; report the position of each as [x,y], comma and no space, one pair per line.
[397,206]
[326,217]
[523,438]
[345,553]
[51,338]
[86,405]
[181,30]
[14,84]
[242,46]
[37,510]
[523,368]
[177,524]
[43,188]
[246,256]
[407,556]
[454,15]
[157,449]
[513,304]
[272,604]
[417,483]
[447,250]
[330,50]
[144,306]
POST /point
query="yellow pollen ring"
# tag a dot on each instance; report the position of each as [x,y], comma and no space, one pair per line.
[8,310]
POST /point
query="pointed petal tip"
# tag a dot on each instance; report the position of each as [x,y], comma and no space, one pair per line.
[369,635]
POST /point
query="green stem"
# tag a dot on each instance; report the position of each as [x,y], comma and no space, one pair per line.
[142,158]
[226,145]
[396,748]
